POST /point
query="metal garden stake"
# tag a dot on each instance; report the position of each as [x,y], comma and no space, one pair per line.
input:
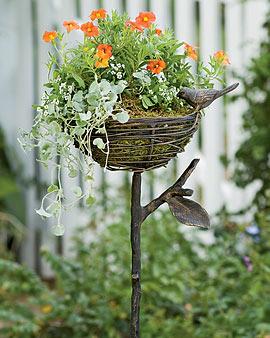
[184,209]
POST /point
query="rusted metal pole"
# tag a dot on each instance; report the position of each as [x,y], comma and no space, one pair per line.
[185,210]
[136,220]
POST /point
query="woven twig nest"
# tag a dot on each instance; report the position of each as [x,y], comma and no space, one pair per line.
[145,143]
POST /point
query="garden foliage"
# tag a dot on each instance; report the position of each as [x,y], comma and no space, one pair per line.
[253,156]
[189,289]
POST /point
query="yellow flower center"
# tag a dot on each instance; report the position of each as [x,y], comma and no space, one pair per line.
[145,19]
[98,15]
[51,36]
[89,29]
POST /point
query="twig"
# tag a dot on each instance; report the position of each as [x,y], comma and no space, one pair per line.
[176,188]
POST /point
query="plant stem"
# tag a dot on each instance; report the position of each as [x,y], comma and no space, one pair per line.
[136,220]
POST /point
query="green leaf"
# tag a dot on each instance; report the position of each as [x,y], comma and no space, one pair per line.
[105,87]
[94,88]
[43,213]
[78,106]
[147,102]
[90,201]
[51,109]
[52,188]
[85,116]
[79,80]
[99,143]
[77,191]
[78,97]
[122,117]
[58,229]
[72,172]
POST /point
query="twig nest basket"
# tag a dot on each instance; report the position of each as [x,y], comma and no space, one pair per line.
[145,143]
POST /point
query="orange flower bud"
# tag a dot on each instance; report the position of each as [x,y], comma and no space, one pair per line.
[49,36]
[70,25]
[191,52]
[222,58]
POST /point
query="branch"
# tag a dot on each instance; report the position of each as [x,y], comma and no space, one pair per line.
[175,189]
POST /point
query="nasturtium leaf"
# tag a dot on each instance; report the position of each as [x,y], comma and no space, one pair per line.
[122,117]
[189,212]
[52,188]
[99,143]
[58,229]
[43,212]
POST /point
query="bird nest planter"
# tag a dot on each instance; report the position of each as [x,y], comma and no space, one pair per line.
[145,143]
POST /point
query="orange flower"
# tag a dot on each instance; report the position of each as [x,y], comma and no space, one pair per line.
[222,58]
[90,29]
[158,31]
[104,51]
[70,25]
[49,36]
[102,63]
[191,51]
[133,25]
[98,14]
[156,66]
[145,19]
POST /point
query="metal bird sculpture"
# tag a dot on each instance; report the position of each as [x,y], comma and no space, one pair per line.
[202,98]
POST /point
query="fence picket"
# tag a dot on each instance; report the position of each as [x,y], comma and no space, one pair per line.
[185,30]
[134,7]
[212,122]
[111,5]
[86,7]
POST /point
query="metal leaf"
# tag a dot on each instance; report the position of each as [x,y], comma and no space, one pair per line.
[189,212]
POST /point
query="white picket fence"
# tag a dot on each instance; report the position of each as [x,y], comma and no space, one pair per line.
[232,25]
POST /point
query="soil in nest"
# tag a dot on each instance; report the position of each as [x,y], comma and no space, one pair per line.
[135,110]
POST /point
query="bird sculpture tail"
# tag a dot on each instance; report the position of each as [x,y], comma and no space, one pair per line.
[228,89]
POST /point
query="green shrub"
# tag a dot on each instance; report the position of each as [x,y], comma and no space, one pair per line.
[252,158]
[189,289]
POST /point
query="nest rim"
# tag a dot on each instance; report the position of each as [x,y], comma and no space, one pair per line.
[142,150]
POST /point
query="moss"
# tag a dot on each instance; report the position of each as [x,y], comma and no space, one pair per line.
[134,108]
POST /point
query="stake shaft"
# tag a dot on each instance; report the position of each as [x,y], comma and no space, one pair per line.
[136,219]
